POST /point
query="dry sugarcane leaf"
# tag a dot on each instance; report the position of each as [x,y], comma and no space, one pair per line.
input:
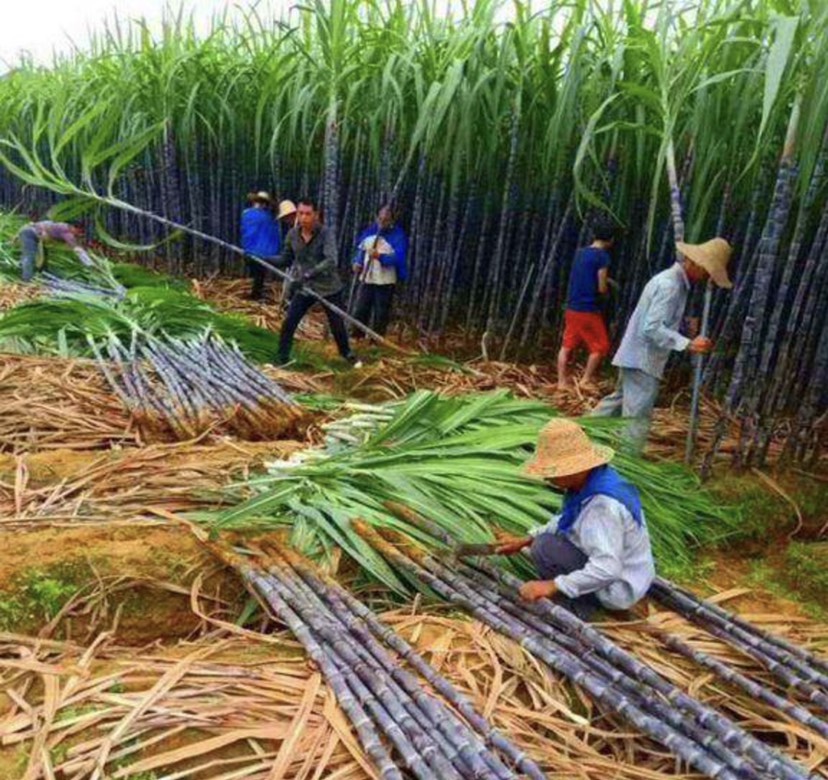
[296,728]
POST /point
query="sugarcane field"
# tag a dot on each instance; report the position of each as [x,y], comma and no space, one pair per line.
[414,390]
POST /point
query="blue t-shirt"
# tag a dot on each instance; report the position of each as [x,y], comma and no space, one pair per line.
[583,281]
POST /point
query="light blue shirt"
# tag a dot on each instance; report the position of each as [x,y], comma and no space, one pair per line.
[620,566]
[653,330]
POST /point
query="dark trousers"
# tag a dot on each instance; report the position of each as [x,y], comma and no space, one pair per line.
[299,307]
[555,555]
[258,273]
[374,307]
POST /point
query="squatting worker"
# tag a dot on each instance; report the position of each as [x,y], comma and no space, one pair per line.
[653,333]
[36,235]
[379,264]
[260,236]
[310,254]
[597,552]
[584,321]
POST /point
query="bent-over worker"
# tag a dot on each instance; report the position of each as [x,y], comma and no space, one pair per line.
[597,552]
[653,333]
[36,235]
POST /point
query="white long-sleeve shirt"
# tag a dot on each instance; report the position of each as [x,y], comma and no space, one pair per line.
[653,330]
[620,566]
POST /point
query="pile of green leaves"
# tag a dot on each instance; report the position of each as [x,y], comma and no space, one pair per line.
[61,326]
[455,461]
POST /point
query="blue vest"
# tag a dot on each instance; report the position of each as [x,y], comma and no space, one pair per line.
[603,481]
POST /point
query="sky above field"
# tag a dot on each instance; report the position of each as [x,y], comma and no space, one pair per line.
[38,28]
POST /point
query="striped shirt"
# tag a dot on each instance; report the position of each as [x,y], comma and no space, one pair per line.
[653,330]
[620,568]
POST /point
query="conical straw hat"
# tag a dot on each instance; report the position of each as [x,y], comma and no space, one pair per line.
[713,256]
[564,449]
[286,208]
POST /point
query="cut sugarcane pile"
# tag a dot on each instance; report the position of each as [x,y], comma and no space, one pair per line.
[52,403]
[354,651]
[699,735]
[227,703]
[180,389]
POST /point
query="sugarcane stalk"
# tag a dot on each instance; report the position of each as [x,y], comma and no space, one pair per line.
[326,584]
[700,612]
[585,641]
[467,749]
[416,746]
[698,367]
[561,661]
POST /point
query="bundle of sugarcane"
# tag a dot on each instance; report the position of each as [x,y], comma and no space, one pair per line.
[797,668]
[379,696]
[695,732]
[181,388]
[58,286]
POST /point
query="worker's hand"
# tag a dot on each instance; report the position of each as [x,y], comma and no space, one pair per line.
[691,326]
[534,590]
[356,268]
[512,545]
[293,287]
[700,345]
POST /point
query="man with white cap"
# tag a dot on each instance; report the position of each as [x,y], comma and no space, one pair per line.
[596,552]
[653,333]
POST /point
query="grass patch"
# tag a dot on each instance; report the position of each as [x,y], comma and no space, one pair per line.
[37,595]
[806,570]
[763,576]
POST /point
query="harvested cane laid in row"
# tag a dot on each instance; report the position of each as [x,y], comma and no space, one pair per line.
[181,388]
[794,671]
[355,612]
[711,744]
[432,741]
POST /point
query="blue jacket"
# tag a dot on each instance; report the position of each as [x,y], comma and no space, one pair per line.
[605,481]
[260,233]
[399,243]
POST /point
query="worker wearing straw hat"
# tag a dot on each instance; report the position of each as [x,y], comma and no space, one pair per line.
[596,552]
[260,236]
[287,213]
[653,333]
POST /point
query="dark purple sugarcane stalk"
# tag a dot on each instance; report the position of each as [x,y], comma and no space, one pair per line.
[744,371]
[453,738]
[644,696]
[815,662]
[327,585]
[494,285]
[423,757]
[623,668]
[560,660]
[787,667]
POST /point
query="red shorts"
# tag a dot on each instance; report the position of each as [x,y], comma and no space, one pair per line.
[586,327]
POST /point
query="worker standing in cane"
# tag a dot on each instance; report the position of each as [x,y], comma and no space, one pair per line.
[36,235]
[310,256]
[653,333]
[379,264]
[260,236]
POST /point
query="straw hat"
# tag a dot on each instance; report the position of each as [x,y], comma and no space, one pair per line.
[564,449]
[713,256]
[286,208]
[260,197]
